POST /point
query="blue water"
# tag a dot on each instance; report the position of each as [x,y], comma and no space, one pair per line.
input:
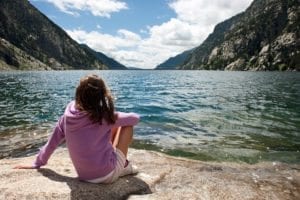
[206,115]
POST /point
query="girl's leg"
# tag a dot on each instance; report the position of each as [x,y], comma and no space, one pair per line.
[115,133]
[124,137]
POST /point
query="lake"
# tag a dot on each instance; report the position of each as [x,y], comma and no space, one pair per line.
[206,115]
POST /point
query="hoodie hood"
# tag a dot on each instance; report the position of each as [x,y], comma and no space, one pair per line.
[76,118]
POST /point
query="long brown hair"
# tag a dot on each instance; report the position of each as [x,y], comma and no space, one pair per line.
[93,97]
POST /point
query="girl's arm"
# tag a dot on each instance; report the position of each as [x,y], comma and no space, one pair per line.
[126,119]
[56,138]
[46,151]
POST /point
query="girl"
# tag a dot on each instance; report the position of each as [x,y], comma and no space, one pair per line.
[97,137]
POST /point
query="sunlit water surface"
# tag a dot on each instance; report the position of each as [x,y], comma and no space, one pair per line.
[206,115]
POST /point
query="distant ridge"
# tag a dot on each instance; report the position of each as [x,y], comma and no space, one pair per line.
[134,68]
[174,62]
[109,62]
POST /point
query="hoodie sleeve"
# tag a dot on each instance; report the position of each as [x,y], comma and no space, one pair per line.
[55,139]
[126,119]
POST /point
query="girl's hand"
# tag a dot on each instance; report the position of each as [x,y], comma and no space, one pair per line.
[24,167]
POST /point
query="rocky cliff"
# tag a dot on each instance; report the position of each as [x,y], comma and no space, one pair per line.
[160,177]
[264,37]
[29,40]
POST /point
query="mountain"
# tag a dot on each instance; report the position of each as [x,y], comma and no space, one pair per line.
[12,57]
[264,37]
[172,62]
[135,68]
[109,62]
[29,40]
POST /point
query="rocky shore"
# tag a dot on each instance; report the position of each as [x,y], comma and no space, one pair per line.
[160,177]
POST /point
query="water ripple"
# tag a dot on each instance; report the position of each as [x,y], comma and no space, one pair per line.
[203,112]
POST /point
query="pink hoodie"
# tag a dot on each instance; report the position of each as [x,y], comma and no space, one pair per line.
[89,143]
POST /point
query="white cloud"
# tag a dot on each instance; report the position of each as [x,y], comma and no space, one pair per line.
[102,8]
[195,19]
[127,47]
[129,36]
[104,42]
[207,12]
[173,33]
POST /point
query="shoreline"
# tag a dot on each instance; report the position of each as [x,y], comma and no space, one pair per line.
[25,147]
[20,142]
[160,177]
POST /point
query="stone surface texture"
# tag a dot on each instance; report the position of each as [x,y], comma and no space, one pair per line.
[160,177]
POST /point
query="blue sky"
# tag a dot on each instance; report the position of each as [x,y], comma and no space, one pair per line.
[140,33]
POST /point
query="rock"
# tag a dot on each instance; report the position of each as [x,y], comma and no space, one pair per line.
[57,180]
[160,177]
[236,65]
[264,50]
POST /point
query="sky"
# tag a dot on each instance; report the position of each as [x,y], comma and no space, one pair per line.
[140,33]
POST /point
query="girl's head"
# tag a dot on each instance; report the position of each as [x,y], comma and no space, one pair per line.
[93,97]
